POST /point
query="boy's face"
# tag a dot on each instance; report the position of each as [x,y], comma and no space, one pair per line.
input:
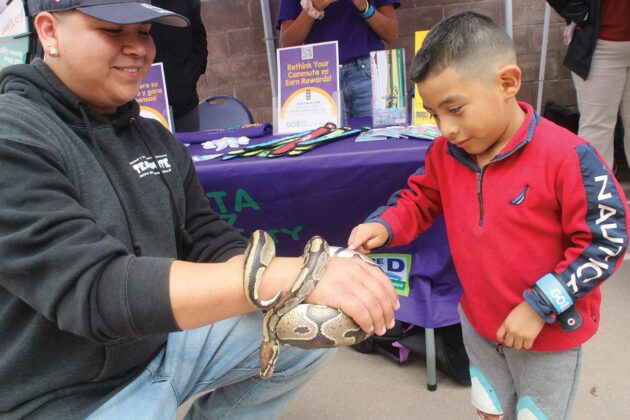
[102,63]
[471,113]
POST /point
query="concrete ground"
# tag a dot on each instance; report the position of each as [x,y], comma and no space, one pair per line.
[356,386]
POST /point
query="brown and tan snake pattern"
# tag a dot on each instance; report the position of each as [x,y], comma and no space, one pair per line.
[289,321]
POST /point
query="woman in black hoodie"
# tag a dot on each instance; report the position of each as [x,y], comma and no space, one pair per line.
[109,247]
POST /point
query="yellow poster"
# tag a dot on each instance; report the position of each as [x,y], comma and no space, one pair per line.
[420,115]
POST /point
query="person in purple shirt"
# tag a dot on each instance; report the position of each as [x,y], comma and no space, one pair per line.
[360,26]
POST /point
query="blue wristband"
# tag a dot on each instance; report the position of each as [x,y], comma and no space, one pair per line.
[369,12]
[540,305]
[555,292]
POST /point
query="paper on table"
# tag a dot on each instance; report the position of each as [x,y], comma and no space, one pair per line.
[423,132]
[201,158]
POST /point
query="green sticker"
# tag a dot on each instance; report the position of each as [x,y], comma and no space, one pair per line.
[397,268]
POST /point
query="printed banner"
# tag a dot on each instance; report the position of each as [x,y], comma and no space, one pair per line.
[308,87]
[14,41]
[152,97]
[397,268]
[13,19]
[389,94]
[13,51]
[420,115]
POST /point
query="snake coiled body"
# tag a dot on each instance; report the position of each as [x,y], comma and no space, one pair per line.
[289,321]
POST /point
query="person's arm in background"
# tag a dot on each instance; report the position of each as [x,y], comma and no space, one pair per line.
[576,11]
[384,23]
[294,32]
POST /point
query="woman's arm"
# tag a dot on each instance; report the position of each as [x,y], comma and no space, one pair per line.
[293,32]
[201,294]
[383,22]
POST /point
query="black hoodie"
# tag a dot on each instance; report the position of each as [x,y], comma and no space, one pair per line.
[94,209]
[184,53]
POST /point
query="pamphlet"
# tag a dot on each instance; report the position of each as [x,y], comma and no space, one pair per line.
[389,94]
[152,97]
[418,132]
[420,115]
[308,87]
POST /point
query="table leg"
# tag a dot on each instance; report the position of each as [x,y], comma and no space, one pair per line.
[430,351]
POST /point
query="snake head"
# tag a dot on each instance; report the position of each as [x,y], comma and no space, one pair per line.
[335,251]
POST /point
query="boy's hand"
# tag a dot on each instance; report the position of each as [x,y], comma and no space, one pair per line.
[367,236]
[521,327]
[361,291]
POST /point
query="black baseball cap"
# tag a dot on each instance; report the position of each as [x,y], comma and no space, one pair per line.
[123,12]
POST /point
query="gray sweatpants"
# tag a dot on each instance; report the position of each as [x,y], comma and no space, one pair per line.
[520,384]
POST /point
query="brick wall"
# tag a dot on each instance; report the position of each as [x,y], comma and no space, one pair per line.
[237,59]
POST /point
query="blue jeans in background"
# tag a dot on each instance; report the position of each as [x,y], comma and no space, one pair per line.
[224,357]
[356,87]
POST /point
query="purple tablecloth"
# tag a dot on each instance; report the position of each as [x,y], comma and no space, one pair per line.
[326,192]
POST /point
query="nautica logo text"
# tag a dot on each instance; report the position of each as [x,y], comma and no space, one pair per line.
[594,269]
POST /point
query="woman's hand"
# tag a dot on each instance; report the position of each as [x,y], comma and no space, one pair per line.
[361,291]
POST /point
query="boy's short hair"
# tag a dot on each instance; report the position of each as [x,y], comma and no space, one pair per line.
[467,41]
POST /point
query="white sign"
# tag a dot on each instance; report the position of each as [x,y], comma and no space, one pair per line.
[13,19]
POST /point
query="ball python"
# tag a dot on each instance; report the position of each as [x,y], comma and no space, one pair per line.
[289,321]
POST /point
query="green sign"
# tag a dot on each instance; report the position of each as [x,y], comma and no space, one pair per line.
[397,267]
[13,51]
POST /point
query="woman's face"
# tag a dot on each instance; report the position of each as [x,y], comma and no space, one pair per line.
[102,63]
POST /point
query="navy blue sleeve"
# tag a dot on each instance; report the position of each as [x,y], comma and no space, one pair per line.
[595,218]
[606,214]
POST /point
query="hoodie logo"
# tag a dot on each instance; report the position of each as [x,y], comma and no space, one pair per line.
[518,200]
[144,165]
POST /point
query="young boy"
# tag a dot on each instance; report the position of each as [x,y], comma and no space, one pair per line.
[535,221]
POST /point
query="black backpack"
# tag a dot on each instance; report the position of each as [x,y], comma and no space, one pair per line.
[450,355]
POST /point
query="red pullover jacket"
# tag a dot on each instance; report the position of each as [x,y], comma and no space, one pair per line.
[546,204]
